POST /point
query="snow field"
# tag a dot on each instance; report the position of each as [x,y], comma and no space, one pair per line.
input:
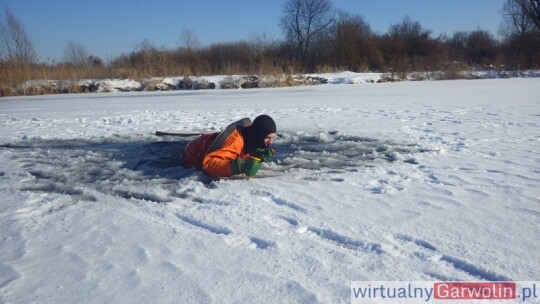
[397,181]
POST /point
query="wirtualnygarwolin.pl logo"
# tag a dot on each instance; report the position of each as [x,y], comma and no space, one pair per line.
[374,292]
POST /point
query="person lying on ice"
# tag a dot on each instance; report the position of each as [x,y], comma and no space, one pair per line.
[238,149]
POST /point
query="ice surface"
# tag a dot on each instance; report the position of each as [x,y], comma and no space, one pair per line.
[396,181]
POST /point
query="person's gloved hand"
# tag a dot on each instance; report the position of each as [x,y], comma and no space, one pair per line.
[265,155]
[249,167]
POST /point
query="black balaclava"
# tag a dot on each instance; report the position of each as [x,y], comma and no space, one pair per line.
[254,135]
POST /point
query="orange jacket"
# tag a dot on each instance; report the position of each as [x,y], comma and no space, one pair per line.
[217,163]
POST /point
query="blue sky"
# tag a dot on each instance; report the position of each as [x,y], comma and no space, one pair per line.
[108,28]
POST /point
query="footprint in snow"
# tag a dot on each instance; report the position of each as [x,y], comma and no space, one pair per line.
[268,196]
[234,240]
[205,226]
[345,241]
[252,242]
[426,251]
[291,221]
[261,243]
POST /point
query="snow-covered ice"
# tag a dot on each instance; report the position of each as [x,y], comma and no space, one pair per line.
[398,181]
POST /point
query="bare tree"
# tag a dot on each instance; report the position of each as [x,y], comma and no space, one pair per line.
[481,47]
[189,39]
[520,28]
[303,20]
[150,59]
[75,53]
[532,10]
[411,37]
[457,46]
[515,20]
[408,46]
[353,43]
[15,44]
[260,43]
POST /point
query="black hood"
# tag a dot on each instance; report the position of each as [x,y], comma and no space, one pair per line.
[254,135]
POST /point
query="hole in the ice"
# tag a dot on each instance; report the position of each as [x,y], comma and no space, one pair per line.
[124,165]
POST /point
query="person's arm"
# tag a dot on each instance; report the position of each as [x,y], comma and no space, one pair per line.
[218,163]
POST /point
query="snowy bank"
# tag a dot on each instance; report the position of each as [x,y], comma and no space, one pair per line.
[41,87]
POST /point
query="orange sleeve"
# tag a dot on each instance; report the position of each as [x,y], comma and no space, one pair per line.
[218,163]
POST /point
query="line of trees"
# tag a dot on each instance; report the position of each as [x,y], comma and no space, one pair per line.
[317,38]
